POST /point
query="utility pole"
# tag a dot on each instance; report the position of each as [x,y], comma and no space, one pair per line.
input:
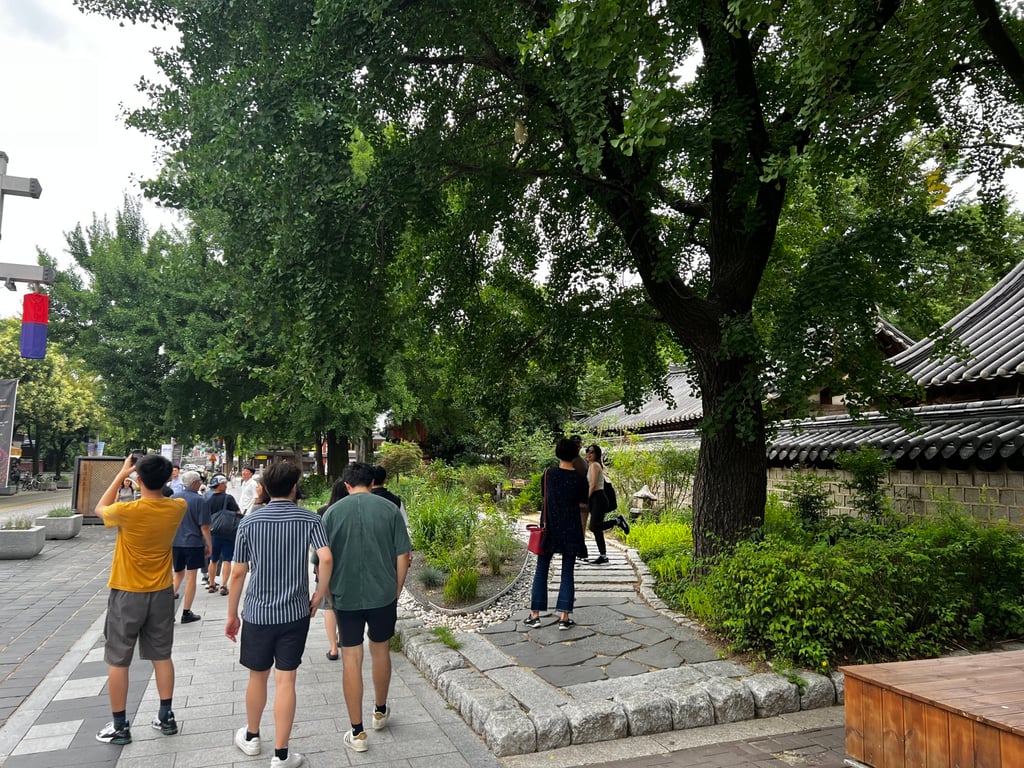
[20,186]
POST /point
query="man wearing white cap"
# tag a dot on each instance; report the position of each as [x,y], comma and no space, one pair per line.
[224,517]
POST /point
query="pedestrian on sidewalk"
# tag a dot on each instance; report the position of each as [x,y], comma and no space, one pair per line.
[272,546]
[565,498]
[371,545]
[338,492]
[192,543]
[140,607]
[598,505]
[225,516]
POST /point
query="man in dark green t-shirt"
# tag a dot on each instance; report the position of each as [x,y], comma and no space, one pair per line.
[370,544]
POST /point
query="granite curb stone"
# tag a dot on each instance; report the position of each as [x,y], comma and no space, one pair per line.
[646,712]
[591,721]
[773,694]
[551,726]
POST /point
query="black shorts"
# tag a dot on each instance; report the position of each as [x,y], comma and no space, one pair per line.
[379,623]
[267,645]
[189,558]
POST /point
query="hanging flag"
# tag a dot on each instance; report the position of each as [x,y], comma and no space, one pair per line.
[34,318]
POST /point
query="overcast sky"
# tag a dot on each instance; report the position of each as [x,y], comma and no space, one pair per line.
[65,76]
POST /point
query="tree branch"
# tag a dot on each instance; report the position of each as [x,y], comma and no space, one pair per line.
[995,36]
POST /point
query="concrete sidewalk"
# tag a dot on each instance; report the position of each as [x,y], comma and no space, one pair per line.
[54,684]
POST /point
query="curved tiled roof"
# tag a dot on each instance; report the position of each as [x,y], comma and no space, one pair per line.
[992,330]
[983,429]
[654,413]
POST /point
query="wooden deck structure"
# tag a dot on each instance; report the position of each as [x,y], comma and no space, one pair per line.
[954,712]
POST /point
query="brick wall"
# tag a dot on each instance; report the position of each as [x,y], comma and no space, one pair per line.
[987,496]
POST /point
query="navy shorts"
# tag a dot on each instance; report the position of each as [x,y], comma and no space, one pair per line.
[379,623]
[189,558]
[267,645]
[222,550]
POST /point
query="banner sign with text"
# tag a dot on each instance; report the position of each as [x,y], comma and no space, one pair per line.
[8,396]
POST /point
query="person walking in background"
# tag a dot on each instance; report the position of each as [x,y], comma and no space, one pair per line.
[247,494]
[598,504]
[272,546]
[580,464]
[192,543]
[565,496]
[140,608]
[176,483]
[370,544]
[224,518]
[338,492]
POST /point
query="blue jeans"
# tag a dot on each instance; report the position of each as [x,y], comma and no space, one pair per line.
[566,589]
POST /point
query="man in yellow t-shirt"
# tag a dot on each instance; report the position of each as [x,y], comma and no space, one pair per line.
[140,608]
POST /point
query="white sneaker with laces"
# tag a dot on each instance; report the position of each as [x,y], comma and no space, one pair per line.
[294,760]
[380,719]
[250,747]
[355,743]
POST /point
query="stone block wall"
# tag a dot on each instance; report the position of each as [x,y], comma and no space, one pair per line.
[987,496]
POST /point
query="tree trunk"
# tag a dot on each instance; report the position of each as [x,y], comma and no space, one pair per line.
[337,454]
[729,489]
[364,449]
[318,455]
[230,443]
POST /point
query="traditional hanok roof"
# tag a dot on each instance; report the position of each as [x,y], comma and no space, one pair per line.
[982,429]
[656,414]
[991,329]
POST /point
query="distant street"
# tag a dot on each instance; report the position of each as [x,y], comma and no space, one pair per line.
[32,503]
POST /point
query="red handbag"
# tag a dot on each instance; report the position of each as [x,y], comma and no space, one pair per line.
[536,543]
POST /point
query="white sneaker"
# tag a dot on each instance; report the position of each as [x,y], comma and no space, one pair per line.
[355,743]
[380,719]
[250,747]
[294,760]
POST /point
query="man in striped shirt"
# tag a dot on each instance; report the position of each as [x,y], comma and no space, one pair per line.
[272,546]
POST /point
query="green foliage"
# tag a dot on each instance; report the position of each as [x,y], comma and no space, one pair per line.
[869,593]
[498,539]
[441,522]
[531,497]
[400,459]
[447,637]
[60,512]
[870,471]
[653,539]
[462,584]
[483,479]
[667,470]
[807,492]
[315,488]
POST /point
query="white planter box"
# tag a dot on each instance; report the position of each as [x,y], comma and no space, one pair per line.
[22,544]
[61,527]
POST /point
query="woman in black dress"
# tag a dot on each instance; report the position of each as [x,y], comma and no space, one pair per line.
[565,495]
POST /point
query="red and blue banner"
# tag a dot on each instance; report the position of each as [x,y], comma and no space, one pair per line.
[34,319]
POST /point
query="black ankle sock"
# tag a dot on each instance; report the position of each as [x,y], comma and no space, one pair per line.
[120,719]
[165,709]
[281,754]
[249,735]
[382,708]
[357,728]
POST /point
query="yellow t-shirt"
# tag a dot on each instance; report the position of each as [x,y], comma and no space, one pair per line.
[142,553]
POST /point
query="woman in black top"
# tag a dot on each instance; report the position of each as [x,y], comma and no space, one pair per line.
[565,495]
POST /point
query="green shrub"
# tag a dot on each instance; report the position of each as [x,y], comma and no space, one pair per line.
[530,497]
[869,470]
[60,512]
[483,479]
[498,538]
[462,585]
[17,524]
[400,458]
[653,539]
[441,521]
[315,490]
[808,494]
[865,591]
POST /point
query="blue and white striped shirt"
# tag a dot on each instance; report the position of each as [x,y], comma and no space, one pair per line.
[275,541]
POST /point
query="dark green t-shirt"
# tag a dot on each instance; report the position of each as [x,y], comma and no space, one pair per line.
[366,534]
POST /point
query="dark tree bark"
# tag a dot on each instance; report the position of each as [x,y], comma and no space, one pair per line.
[337,454]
